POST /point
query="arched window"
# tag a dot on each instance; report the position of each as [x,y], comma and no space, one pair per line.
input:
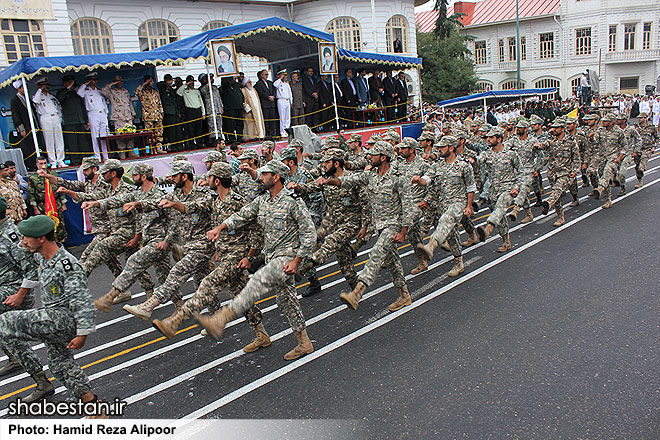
[547,82]
[215,24]
[483,86]
[156,33]
[397,29]
[91,36]
[23,39]
[575,83]
[347,32]
[511,85]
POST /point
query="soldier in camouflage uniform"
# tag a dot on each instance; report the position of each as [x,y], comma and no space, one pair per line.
[61,323]
[37,198]
[153,229]
[583,145]
[356,158]
[289,237]
[121,112]
[649,135]
[506,175]
[268,153]
[152,110]
[523,144]
[453,176]
[16,207]
[612,145]
[18,276]
[571,132]
[596,161]
[633,142]
[246,183]
[563,165]
[191,227]
[470,156]
[303,161]
[231,250]
[392,210]
[536,127]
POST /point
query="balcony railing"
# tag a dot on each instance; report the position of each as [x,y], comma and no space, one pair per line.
[627,56]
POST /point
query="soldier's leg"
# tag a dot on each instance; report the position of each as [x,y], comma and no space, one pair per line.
[376,256]
[501,205]
[192,263]
[334,240]
[573,188]
[623,168]
[448,221]
[524,190]
[14,328]
[112,262]
[143,278]
[107,248]
[454,242]
[392,262]
[345,263]
[64,367]
[137,264]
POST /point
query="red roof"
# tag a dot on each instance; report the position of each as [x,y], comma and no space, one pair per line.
[489,11]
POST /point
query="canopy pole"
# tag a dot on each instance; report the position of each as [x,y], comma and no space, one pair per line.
[485,110]
[334,99]
[419,85]
[215,122]
[28,101]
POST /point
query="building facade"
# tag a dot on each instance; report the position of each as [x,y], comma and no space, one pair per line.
[559,40]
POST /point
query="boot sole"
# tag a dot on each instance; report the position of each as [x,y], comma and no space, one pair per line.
[47,394]
[215,335]
[136,312]
[344,298]
[157,323]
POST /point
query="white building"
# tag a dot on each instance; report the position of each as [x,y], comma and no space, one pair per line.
[559,39]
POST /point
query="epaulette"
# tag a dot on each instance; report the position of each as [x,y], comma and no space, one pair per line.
[66,264]
[13,236]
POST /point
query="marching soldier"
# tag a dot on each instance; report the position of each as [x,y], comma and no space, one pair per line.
[633,142]
[612,147]
[523,144]
[649,134]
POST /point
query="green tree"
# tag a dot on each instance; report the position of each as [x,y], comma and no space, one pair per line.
[443,24]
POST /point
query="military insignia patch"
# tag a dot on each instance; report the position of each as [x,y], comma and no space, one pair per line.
[387,197]
[347,201]
[13,236]
[566,154]
[279,224]
[54,290]
[66,264]
[194,218]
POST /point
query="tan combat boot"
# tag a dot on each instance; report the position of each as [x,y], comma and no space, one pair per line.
[215,324]
[261,340]
[304,346]
[105,302]
[143,311]
[428,250]
[169,325]
[402,301]
[485,232]
[352,298]
[122,297]
[607,204]
[529,216]
[560,220]
[11,365]
[458,268]
[423,263]
[639,183]
[445,246]
[513,215]
[44,388]
[472,240]
[506,245]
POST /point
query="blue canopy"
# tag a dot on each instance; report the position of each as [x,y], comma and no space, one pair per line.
[494,96]
[275,39]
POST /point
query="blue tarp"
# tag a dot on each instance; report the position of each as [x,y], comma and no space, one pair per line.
[273,38]
[496,95]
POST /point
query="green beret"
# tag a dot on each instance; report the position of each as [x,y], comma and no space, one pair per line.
[36,226]
[3,204]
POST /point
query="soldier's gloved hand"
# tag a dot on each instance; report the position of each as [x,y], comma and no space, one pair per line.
[77,342]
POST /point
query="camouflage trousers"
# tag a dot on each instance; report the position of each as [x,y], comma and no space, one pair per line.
[484,194]
[113,262]
[498,216]
[156,127]
[225,276]
[195,262]
[560,185]
[595,169]
[610,171]
[641,161]
[521,199]
[447,226]
[338,242]
[271,277]
[138,263]
[55,327]
[467,224]
[537,183]
[415,232]
[108,248]
[384,253]
[623,168]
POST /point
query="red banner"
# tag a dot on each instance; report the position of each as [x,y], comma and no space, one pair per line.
[51,204]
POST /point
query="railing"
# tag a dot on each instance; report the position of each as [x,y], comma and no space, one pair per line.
[632,55]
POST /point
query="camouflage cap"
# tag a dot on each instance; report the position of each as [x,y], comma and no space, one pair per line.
[460,133]
[3,204]
[276,167]
[448,140]
[143,169]
[267,144]
[558,122]
[570,120]
[288,153]
[181,167]
[426,136]
[589,117]
[495,131]
[409,142]
[374,138]
[622,116]
[178,157]
[522,124]
[36,226]
[330,142]
[249,153]
[486,127]
[221,170]
[392,135]
[608,117]
[296,143]
[355,137]
[333,154]
[89,162]
[428,127]
[642,115]
[382,147]
[214,156]
[110,165]
[535,119]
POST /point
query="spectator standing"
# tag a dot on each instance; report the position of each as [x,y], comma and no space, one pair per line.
[97,114]
[193,111]
[232,97]
[50,119]
[298,109]
[266,91]
[168,100]
[74,121]
[311,99]
[21,120]
[152,110]
[121,113]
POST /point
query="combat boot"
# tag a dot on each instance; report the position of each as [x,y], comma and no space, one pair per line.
[485,232]
[352,298]
[585,180]
[607,204]
[105,302]
[402,301]
[639,182]
[597,192]
[623,189]
[215,324]
[423,263]
[458,268]
[122,297]
[149,292]
[506,245]
[169,325]
[574,203]
[427,250]
[538,203]
[44,388]
[529,217]
[261,340]
[560,220]
[472,240]
[545,207]
[445,246]
[314,287]
[143,311]
[304,346]
[513,215]
[11,365]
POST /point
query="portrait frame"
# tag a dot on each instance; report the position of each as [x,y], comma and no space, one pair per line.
[218,69]
[324,68]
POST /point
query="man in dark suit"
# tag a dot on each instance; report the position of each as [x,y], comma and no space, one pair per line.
[168,100]
[311,99]
[21,119]
[266,92]
[325,100]
[376,88]
[349,95]
[232,98]
[389,95]
[402,98]
[74,121]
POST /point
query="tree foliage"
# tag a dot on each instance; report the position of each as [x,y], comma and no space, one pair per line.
[443,24]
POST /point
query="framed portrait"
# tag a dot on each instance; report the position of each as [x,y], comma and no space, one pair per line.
[223,57]
[327,59]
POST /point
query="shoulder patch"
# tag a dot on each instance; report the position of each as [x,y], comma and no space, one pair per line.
[66,264]
[13,236]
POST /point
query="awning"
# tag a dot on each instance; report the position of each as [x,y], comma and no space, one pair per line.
[495,96]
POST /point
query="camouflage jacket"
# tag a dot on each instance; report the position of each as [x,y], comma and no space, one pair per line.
[120,222]
[358,161]
[526,152]
[633,139]
[17,267]
[37,192]
[583,143]
[99,218]
[389,197]
[15,203]
[64,286]
[287,226]
[418,167]
[504,170]
[152,109]
[121,105]
[246,186]
[451,181]
[611,143]
[314,201]
[649,135]
[563,155]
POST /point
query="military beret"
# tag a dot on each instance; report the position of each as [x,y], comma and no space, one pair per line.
[333,154]
[558,122]
[522,124]
[426,136]
[642,115]
[495,131]
[374,138]
[485,127]
[296,143]
[570,120]
[3,204]
[355,137]
[110,165]
[267,144]
[214,156]
[622,116]
[448,140]
[392,135]
[382,147]
[221,170]
[179,157]
[180,167]
[330,142]
[36,226]
[288,153]
[249,153]
[143,169]
[89,162]
[275,167]
[608,117]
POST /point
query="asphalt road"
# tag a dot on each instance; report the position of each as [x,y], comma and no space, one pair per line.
[557,338]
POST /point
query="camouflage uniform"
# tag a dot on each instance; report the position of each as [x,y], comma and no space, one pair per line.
[121,112]
[417,167]
[633,142]
[612,143]
[15,202]
[152,111]
[67,312]
[649,135]
[37,197]
[583,143]
[17,267]
[563,160]
[313,201]
[528,159]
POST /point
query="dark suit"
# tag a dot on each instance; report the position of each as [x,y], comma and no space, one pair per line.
[74,123]
[389,90]
[269,108]
[327,116]
[350,100]
[168,99]
[232,98]
[311,104]
[375,84]
[402,100]
[21,119]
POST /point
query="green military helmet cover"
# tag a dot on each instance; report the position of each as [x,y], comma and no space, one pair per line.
[296,143]
[426,136]
[89,162]
[214,156]
[355,137]
[178,157]
[249,153]
[448,140]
